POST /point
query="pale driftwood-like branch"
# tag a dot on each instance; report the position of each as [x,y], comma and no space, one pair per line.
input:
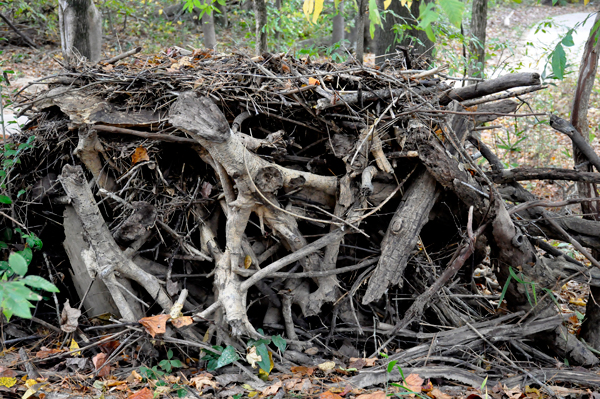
[492,86]
[103,248]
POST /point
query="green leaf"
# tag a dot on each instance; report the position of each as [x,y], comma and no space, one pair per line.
[265,362]
[567,41]
[27,254]
[504,289]
[280,343]
[169,354]
[559,61]
[374,17]
[40,282]
[3,245]
[165,365]
[176,363]
[391,365]
[21,192]
[17,263]
[454,11]
[228,356]
[33,241]
[427,15]
[4,199]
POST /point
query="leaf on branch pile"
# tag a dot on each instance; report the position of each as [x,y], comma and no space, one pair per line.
[155,324]
[327,367]
[139,155]
[74,345]
[69,318]
[303,370]
[101,369]
[6,372]
[46,352]
[252,357]
[182,321]
[312,351]
[206,190]
[313,82]
[358,363]
[76,363]
[272,389]
[144,393]
[202,380]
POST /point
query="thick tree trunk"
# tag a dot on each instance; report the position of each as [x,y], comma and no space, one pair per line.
[208,28]
[80,27]
[477,43]
[385,37]
[260,13]
[338,24]
[587,73]
[221,17]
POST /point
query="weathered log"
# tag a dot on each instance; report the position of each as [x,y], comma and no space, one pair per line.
[528,173]
[402,235]
[105,257]
[491,86]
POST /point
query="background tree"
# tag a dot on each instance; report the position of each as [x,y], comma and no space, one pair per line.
[406,17]
[208,26]
[338,24]
[590,328]
[260,13]
[80,27]
[477,42]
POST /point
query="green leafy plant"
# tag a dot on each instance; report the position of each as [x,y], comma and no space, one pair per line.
[407,391]
[166,367]
[221,357]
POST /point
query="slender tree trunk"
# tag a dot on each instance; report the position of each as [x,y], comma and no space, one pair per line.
[278,7]
[260,13]
[208,28]
[338,24]
[590,328]
[360,31]
[80,27]
[477,47]
[386,39]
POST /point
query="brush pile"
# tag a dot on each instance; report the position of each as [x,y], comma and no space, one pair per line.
[339,205]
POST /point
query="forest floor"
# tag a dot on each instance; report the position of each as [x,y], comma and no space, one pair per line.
[516,142]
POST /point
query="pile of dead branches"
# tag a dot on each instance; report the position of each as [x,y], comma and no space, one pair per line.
[336,204]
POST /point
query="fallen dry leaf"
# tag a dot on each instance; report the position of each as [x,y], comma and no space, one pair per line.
[182,321]
[144,393]
[303,370]
[69,318]
[291,383]
[329,395]
[374,395]
[7,381]
[437,394]
[312,351]
[204,379]
[513,393]
[155,324]
[272,389]
[139,155]
[206,189]
[313,81]
[98,360]
[6,372]
[327,367]
[252,357]
[45,352]
[413,382]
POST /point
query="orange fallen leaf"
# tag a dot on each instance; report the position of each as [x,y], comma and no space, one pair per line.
[374,395]
[247,262]
[285,68]
[329,395]
[182,321]
[313,81]
[413,382]
[99,361]
[142,394]
[45,352]
[140,155]
[155,324]
[203,379]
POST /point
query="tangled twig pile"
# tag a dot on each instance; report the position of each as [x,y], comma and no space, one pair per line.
[329,202]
